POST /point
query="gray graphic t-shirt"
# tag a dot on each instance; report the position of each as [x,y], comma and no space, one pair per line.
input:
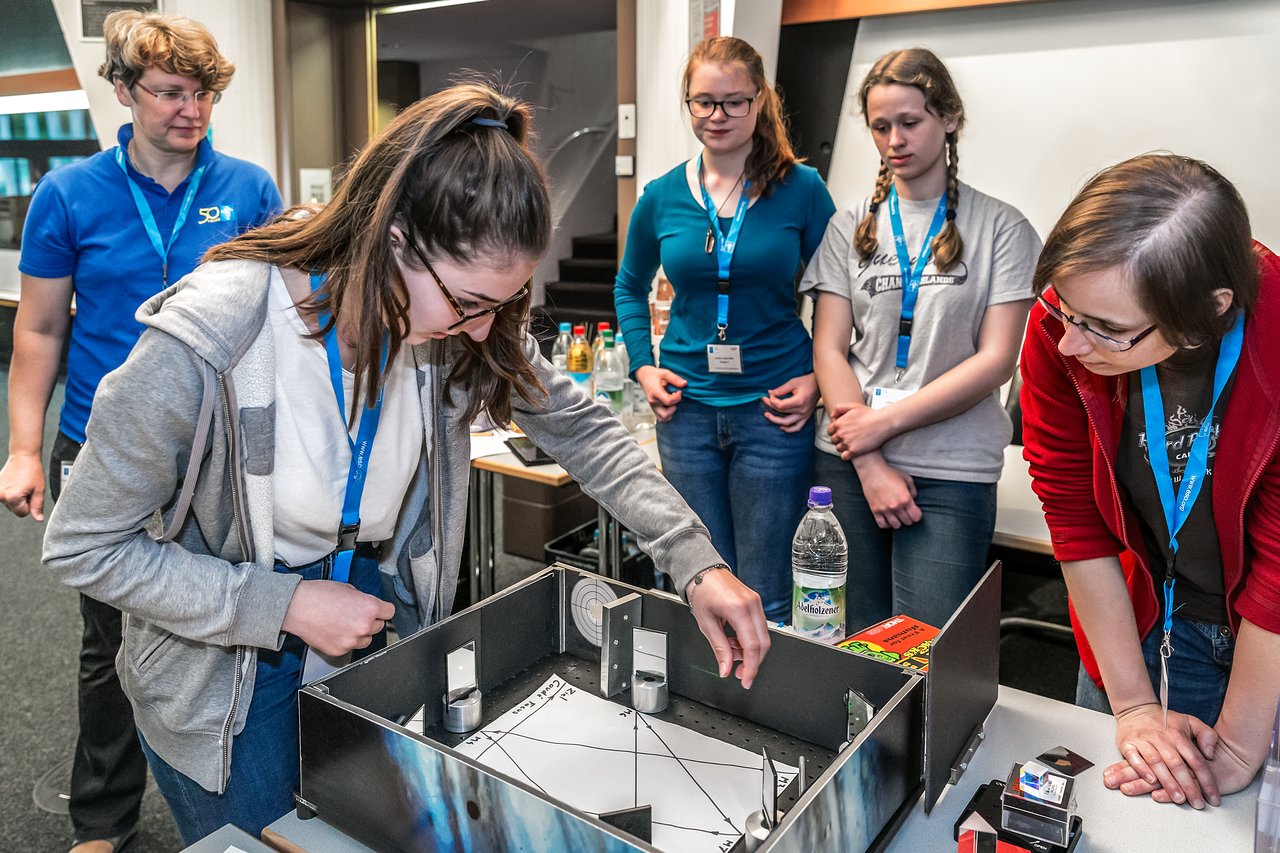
[1000,252]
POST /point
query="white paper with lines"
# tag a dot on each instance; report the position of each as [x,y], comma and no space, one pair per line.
[599,756]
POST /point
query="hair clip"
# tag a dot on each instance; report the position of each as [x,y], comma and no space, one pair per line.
[489,122]
[875,205]
[951,215]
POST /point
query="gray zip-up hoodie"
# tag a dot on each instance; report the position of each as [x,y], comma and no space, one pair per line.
[169,514]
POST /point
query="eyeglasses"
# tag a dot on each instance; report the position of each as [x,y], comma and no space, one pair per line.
[731,107]
[463,316]
[1105,341]
[179,98]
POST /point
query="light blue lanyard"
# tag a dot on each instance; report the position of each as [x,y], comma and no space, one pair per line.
[361,448]
[1176,509]
[149,220]
[724,248]
[911,275]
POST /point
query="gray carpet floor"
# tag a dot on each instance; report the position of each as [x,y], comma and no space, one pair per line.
[40,638]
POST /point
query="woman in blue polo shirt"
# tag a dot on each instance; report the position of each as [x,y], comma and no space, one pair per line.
[112,231]
[735,392]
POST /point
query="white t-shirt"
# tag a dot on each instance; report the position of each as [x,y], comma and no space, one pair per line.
[1000,253]
[312,454]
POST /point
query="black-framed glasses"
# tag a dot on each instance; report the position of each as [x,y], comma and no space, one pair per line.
[179,98]
[1105,341]
[731,107]
[463,316]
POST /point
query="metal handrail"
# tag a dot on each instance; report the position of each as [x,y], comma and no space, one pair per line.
[575,135]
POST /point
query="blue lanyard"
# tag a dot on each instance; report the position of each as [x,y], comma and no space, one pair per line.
[1177,510]
[361,448]
[911,275]
[724,248]
[149,220]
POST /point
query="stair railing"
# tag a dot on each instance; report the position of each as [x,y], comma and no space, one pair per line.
[565,192]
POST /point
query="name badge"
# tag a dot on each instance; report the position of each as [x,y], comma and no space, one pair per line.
[724,358]
[65,476]
[878,396]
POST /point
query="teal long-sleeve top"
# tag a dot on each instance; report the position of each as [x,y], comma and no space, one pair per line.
[780,233]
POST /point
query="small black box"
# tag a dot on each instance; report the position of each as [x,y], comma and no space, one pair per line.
[1045,813]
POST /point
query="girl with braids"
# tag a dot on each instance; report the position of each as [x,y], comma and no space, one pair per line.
[240,434]
[923,293]
[735,392]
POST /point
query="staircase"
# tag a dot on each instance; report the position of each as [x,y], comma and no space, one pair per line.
[584,293]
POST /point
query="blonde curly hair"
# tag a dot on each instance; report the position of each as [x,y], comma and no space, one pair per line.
[137,41]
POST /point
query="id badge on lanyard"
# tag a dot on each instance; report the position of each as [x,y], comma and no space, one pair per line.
[911,275]
[148,219]
[723,357]
[1178,507]
[317,664]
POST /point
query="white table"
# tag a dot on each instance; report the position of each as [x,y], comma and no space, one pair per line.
[483,546]
[1023,725]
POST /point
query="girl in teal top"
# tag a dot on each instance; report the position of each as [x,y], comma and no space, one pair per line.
[735,393]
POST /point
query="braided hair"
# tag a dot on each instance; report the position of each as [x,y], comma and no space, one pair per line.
[923,70]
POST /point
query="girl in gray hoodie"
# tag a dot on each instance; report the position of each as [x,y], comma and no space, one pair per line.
[281,465]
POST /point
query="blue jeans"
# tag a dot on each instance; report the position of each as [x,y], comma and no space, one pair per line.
[264,757]
[1198,669]
[748,481]
[924,570]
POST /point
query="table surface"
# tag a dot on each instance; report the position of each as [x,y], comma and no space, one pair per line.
[1021,726]
[552,474]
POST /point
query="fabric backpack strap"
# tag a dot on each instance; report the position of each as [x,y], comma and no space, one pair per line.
[204,423]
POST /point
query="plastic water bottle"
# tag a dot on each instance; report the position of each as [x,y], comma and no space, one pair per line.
[560,349]
[609,376]
[597,343]
[578,361]
[819,567]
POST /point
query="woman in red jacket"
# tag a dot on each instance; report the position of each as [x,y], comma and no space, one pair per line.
[1159,325]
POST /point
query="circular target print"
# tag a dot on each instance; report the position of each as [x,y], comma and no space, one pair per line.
[586,603]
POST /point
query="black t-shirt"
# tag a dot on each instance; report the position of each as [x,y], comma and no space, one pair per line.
[1186,387]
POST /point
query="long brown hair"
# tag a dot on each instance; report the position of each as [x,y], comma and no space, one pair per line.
[920,68]
[1177,228]
[771,156]
[457,188]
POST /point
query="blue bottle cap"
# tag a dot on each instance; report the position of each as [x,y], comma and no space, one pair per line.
[565,327]
[819,496]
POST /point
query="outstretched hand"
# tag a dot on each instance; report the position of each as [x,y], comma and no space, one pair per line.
[722,600]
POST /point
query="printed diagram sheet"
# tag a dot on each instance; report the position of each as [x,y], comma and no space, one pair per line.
[599,756]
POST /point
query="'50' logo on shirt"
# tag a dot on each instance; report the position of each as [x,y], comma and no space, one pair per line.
[224,213]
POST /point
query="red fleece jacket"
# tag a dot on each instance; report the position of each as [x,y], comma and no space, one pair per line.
[1072,420]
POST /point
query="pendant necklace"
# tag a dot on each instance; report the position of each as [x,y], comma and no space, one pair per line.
[711,234]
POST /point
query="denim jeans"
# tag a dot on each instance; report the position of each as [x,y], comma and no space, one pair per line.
[925,569]
[747,480]
[264,756]
[1198,669]
[108,770]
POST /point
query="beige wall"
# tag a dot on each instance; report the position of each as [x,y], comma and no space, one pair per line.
[244,123]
